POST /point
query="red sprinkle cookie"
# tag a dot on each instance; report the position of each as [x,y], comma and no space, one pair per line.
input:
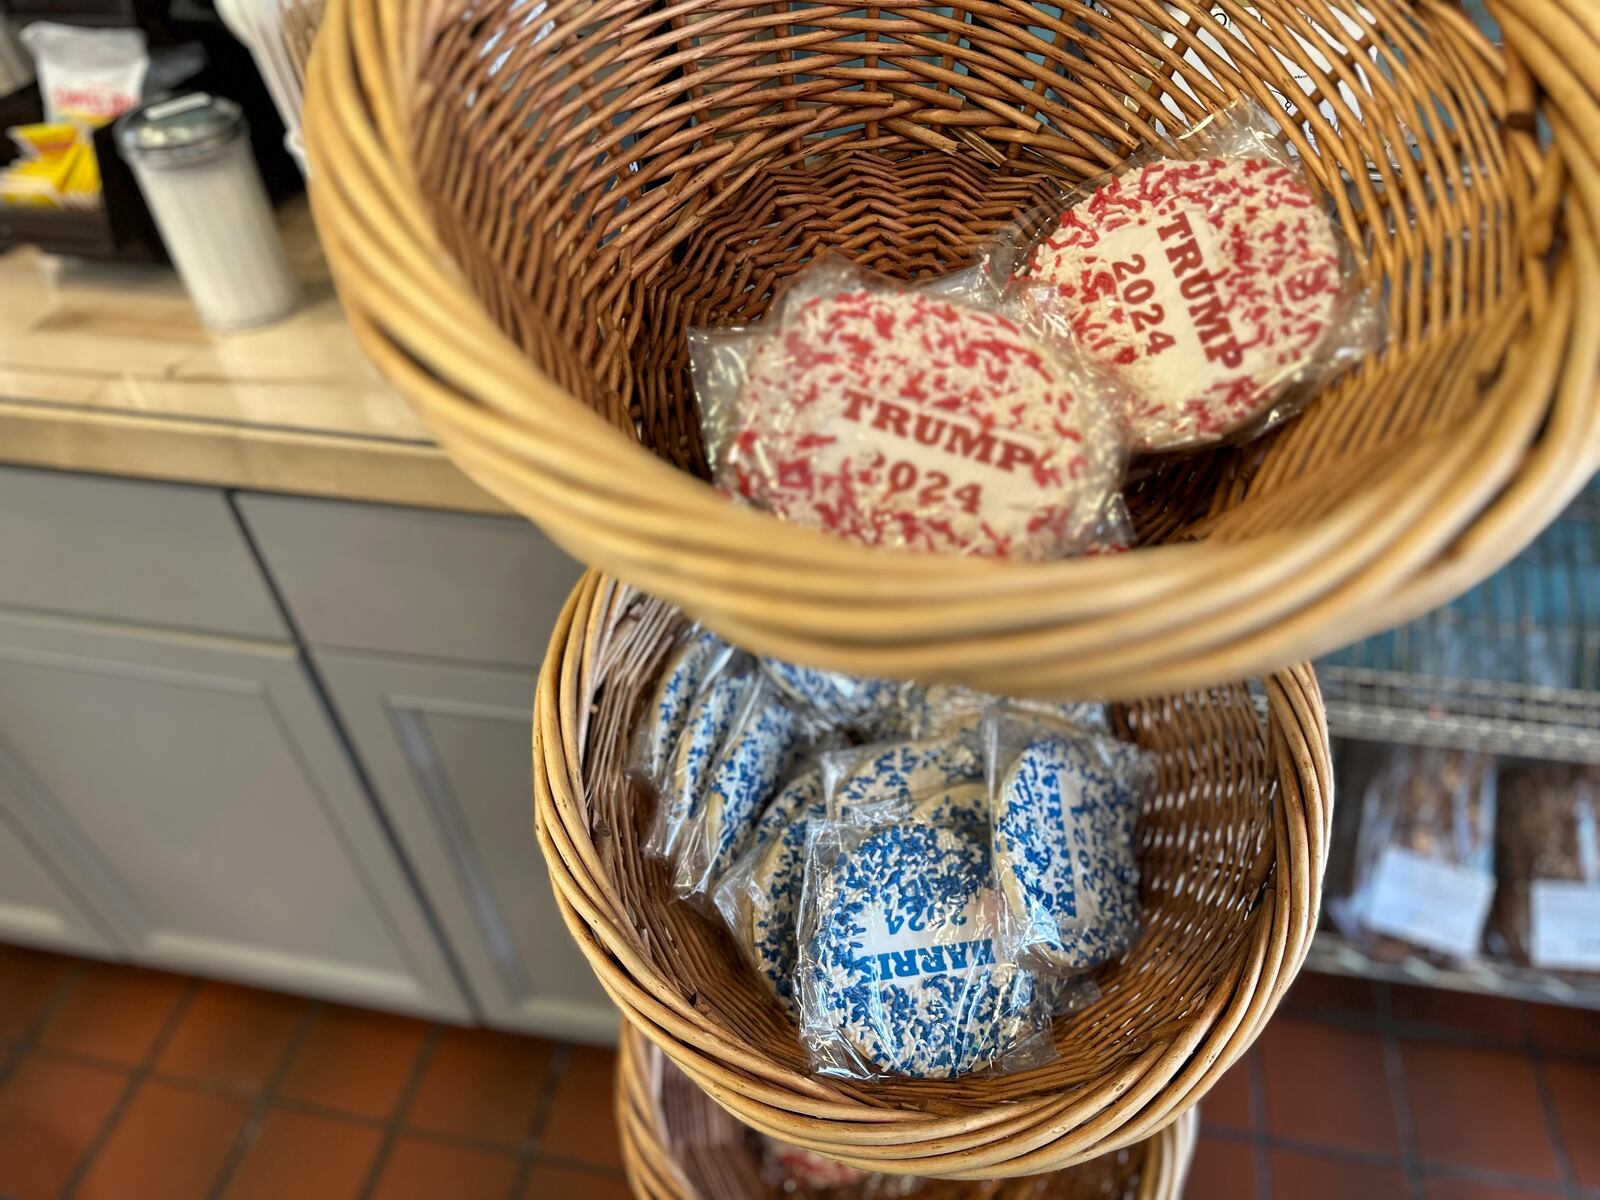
[1202,286]
[903,419]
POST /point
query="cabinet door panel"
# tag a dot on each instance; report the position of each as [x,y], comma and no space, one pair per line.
[378,579]
[152,553]
[198,782]
[36,908]
[449,751]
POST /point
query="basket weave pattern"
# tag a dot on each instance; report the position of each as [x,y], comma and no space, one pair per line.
[651,1098]
[525,207]
[1232,852]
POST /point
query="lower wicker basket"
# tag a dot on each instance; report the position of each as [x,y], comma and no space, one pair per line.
[1231,852]
[678,1145]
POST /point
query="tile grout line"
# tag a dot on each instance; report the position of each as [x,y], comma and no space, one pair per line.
[136,1080]
[310,1108]
[1399,1096]
[1376,1158]
[528,1154]
[1547,1104]
[29,1041]
[264,1100]
[395,1123]
[1256,1067]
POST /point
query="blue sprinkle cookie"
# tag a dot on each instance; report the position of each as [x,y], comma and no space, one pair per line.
[903,772]
[773,886]
[688,667]
[903,975]
[752,760]
[852,702]
[963,804]
[1063,846]
[696,754]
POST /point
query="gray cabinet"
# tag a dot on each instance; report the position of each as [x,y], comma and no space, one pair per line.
[449,750]
[158,554]
[195,786]
[38,909]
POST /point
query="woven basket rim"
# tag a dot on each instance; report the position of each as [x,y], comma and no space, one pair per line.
[1032,1135]
[1457,505]
[652,1172]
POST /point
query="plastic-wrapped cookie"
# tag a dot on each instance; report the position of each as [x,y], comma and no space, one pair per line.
[1204,287]
[903,772]
[965,804]
[759,897]
[903,974]
[894,417]
[699,657]
[864,705]
[701,742]
[753,758]
[929,709]
[1064,854]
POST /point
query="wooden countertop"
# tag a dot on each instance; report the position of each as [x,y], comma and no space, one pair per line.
[105,368]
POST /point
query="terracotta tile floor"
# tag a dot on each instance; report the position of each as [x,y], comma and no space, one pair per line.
[136,1085]
[123,1084]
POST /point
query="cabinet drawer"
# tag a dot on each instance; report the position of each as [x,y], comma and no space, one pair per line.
[411,581]
[152,553]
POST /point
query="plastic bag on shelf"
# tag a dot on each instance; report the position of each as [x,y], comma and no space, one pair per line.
[901,416]
[1546,911]
[1423,876]
[1206,277]
[1066,805]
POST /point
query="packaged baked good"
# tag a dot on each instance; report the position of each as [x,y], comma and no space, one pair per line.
[756,753]
[907,965]
[925,420]
[759,896]
[1207,277]
[1546,910]
[683,773]
[1065,805]
[1423,875]
[696,656]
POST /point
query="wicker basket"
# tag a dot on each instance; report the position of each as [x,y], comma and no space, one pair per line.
[1232,854]
[705,1157]
[526,207]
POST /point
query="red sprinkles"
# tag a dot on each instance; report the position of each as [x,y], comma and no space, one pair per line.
[1202,286]
[902,419]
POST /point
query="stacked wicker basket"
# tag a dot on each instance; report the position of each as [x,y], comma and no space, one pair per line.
[527,206]
[678,1145]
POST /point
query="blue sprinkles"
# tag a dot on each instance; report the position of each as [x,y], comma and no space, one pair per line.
[855,702]
[754,758]
[905,772]
[1063,843]
[903,975]
[774,887]
[703,735]
[686,670]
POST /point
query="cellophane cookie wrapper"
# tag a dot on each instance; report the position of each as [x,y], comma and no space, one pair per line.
[703,687]
[926,419]
[907,967]
[759,896]
[1065,803]
[857,705]
[757,752]
[1209,277]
